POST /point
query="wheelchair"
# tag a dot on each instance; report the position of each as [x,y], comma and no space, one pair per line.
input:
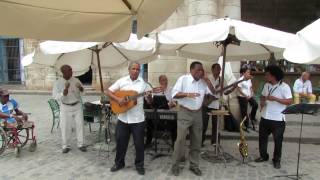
[17,136]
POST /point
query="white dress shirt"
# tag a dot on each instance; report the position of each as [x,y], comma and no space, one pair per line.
[187,84]
[273,110]
[302,87]
[74,94]
[215,82]
[167,93]
[135,114]
[245,87]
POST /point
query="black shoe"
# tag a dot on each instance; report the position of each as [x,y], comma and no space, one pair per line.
[276,164]
[66,150]
[115,168]
[140,170]
[83,149]
[175,170]
[195,170]
[260,159]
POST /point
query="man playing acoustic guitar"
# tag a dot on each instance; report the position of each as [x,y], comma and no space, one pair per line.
[132,119]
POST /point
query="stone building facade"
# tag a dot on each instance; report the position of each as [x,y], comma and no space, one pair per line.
[277,14]
[189,13]
[282,15]
[192,12]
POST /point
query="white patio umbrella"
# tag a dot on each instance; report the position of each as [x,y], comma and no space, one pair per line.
[82,20]
[207,41]
[80,56]
[307,49]
[27,59]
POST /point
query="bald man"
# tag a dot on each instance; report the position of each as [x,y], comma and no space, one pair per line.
[302,88]
[67,91]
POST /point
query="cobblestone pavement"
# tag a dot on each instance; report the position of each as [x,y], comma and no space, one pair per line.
[47,162]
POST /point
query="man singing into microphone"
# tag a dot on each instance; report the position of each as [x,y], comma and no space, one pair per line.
[67,91]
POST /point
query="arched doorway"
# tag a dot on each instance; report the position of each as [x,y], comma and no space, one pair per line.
[86,78]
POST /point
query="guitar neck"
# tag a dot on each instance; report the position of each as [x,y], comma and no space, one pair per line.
[231,85]
[142,94]
[137,96]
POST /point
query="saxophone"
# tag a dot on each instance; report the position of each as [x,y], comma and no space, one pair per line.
[243,146]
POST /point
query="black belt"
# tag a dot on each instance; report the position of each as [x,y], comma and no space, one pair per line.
[71,104]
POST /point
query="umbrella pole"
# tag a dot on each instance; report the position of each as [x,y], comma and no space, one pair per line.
[224,52]
[103,101]
[97,51]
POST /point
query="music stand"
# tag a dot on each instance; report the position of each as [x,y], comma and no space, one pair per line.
[160,102]
[303,108]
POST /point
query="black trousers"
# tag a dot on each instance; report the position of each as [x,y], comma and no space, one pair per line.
[123,132]
[267,127]
[170,126]
[243,102]
[205,122]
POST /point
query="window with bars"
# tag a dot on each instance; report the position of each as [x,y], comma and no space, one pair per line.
[10,60]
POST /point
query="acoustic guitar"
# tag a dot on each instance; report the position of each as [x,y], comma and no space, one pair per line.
[130,95]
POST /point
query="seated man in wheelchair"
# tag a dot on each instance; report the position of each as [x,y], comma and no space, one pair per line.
[10,112]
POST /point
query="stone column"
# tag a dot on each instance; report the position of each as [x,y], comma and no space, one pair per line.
[109,76]
[50,78]
[201,11]
[37,76]
[230,8]
[172,67]
[29,45]
[105,79]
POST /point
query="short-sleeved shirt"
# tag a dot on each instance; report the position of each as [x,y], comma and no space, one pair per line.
[215,82]
[74,94]
[9,108]
[302,87]
[245,87]
[273,110]
[167,93]
[135,114]
[187,84]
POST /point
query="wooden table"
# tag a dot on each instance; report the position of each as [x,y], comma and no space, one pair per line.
[220,117]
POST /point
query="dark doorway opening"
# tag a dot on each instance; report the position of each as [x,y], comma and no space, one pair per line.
[86,78]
